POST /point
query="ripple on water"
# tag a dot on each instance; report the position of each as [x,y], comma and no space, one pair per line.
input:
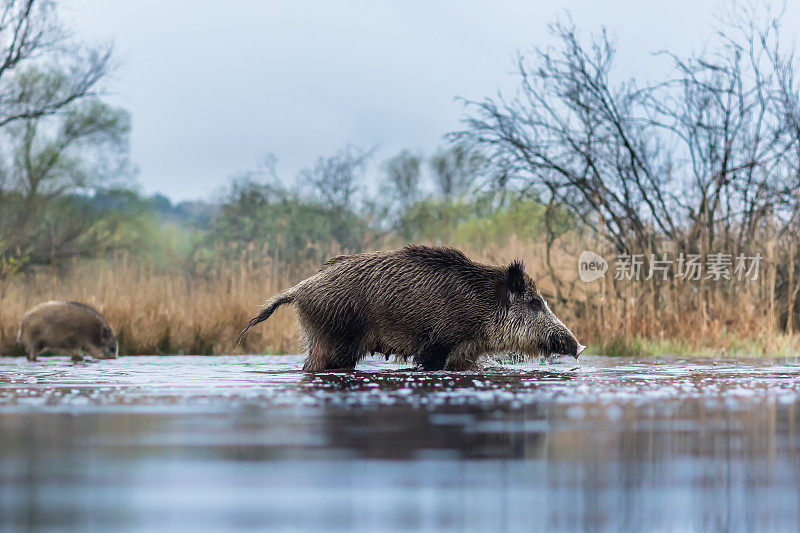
[153,442]
[206,382]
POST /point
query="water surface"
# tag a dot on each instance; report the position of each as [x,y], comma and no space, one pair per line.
[210,443]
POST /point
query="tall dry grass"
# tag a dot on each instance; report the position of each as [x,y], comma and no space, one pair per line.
[173,311]
[163,312]
[655,316]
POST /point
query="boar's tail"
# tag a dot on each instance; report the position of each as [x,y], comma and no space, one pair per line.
[270,307]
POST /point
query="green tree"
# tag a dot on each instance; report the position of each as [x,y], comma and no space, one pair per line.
[45,161]
[261,218]
[57,137]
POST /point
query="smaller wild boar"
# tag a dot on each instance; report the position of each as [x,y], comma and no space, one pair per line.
[432,305]
[69,328]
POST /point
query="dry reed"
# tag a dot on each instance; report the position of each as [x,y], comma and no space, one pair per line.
[172,311]
[162,312]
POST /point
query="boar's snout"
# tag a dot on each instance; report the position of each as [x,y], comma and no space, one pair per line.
[563,342]
[110,342]
[112,350]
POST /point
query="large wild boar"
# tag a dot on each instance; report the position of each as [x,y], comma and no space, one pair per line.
[69,328]
[432,305]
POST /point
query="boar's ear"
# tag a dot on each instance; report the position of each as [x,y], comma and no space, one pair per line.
[515,279]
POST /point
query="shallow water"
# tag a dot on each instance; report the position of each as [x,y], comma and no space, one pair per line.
[164,443]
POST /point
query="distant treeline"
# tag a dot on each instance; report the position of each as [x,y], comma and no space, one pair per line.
[329,209]
[703,162]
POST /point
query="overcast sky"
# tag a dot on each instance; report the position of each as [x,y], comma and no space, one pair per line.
[213,86]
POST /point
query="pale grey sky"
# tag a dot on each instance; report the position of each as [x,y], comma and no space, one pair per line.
[213,86]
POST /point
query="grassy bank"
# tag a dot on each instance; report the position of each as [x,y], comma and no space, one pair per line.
[165,311]
[780,346]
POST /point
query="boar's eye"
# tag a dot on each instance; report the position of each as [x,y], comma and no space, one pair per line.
[536,303]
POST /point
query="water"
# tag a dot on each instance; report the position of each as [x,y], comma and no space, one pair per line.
[202,443]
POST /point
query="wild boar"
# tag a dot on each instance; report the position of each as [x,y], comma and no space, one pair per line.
[69,328]
[432,305]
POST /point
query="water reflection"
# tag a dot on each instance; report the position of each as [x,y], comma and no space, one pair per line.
[214,443]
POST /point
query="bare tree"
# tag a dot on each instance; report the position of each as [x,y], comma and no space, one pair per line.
[699,159]
[403,173]
[787,116]
[578,140]
[455,169]
[31,38]
[706,159]
[333,180]
[730,143]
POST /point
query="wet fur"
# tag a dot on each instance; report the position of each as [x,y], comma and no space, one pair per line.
[432,305]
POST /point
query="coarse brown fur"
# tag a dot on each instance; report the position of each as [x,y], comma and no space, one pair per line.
[69,328]
[432,305]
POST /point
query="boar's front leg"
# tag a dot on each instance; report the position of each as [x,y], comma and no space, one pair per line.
[434,356]
[460,364]
[34,350]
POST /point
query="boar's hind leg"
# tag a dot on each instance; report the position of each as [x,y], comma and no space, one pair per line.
[335,341]
[326,354]
[331,355]
[318,354]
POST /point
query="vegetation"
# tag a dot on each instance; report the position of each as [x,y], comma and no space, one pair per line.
[702,163]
